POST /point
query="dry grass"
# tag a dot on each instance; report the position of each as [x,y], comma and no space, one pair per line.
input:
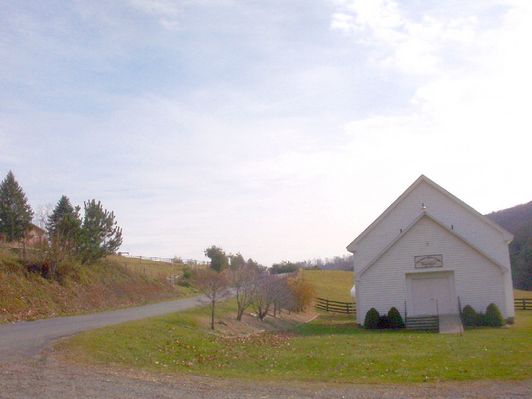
[522,294]
[151,267]
[104,285]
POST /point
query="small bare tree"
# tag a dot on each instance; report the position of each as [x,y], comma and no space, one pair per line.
[243,281]
[283,296]
[264,295]
[212,284]
[281,292]
[43,212]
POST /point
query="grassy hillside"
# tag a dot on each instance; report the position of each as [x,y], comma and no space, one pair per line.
[522,294]
[331,284]
[107,284]
[149,267]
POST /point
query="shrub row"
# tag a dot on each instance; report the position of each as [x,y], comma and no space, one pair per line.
[492,317]
[375,321]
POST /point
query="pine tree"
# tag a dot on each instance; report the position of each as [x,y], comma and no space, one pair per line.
[219,260]
[15,212]
[100,235]
[63,225]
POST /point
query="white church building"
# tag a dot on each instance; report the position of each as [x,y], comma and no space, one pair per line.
[429,254]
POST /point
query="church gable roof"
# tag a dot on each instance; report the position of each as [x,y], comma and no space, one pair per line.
[420,180]
[425,214]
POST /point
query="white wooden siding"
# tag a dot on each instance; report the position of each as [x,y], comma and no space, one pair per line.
[468,225]
[478,281]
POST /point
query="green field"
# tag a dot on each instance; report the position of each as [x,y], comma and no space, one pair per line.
[331,284]
[522,294]
[330,348]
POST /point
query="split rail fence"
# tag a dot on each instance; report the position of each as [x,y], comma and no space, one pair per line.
[335,306]
[350,307]
[523,303]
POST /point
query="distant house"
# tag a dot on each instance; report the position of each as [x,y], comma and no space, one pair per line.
[430,253]
[34,236]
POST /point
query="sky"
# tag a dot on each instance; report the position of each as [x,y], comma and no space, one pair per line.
[278,129]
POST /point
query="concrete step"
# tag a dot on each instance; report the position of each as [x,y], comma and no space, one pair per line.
[424,323]
[450,324]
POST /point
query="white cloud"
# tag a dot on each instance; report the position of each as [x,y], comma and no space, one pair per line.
[469,123]
[166,11]
[397,41]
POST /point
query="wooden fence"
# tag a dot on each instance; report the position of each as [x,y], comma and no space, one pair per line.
[350,307]
[335,306]
[523,303]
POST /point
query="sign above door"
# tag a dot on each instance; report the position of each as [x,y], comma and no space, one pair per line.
[428,261]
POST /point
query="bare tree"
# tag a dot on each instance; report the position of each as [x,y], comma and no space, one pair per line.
[283,296]
[281,292]
[212,284]
[42,214]
[243,281]
[264,295]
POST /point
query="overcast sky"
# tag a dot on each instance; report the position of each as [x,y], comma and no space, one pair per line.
[279,129]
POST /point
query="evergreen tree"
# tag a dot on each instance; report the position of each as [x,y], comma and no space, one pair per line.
[237,261]
[372,319]
[100,235]
[396,320]
[219,260]
[15,212]
[64,225]
[493,316]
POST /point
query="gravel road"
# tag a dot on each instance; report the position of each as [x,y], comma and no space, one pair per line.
[29,368]
[48,377]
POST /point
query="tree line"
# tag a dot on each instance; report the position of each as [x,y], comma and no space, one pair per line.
[518,221]
[335,263]
[251,284]
[72,233]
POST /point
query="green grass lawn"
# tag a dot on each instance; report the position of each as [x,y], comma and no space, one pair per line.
[331,284]
[330,348]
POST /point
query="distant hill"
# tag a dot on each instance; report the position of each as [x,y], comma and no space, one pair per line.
[513,219]
[518,221]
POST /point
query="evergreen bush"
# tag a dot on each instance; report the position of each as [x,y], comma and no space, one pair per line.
[396,321]
[469,316]
[493,316]
[481,320]
[372,319]
[384,323]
